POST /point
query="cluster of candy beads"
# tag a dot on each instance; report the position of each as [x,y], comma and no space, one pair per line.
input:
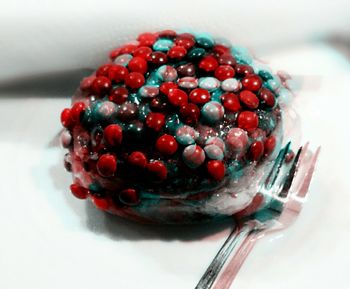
[171,114]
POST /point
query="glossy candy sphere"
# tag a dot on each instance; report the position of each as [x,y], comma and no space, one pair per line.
[199,96]
[216,169]
[248,120]
[106,165]
[166,144]
[212,112]
[193,156]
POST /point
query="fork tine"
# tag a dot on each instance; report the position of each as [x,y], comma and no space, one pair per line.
[271,178]
[291,174]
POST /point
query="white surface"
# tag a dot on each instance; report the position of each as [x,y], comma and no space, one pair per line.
[51,35]
[51,240]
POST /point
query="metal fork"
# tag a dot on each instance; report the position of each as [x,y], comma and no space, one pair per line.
[284,190]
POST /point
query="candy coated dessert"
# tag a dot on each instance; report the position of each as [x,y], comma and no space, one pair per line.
[175,128]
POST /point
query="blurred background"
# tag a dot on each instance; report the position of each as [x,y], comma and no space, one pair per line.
[51,240]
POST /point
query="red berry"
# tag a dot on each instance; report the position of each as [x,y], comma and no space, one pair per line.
[117,73]
[230,102]
[135,80]
[248,120]
[119,95]
[76,111]
[224,71]
[147,39]
[143,52]
[189,113]
[129,197]
[158,170]
[177,52]
[252,82]
[106,165]
[185,40]
[137,159]
[128,48]
[242,69]
[79,192]
[103,70]
[165,87]
[158,58]
[166,144]
[66,118]
[256,151]
[155,120]
[269,145]
[138,64]
[216,169]
[199,95]
[226,59]
[208,63]
[101,85]
[177,97]
[267,97]
[249,99]
[221,49]
[113,135]
[100,203]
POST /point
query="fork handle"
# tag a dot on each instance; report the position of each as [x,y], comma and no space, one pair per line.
[233,246]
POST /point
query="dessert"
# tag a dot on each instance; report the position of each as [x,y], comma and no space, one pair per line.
[175,128]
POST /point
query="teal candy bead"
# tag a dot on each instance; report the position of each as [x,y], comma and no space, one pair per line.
[235,170]
[241,54]
[144,110]
[196,53]
[172,123]
[163,45]
[153,79]
[216,95]
[123,59]
[134,98]
[104,111]
[209,83]
[212,112]
[265,75]
[166,73]
[205,40]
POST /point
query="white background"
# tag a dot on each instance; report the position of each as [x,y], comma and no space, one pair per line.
[51,240]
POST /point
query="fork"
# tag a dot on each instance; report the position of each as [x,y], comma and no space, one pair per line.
[284,190]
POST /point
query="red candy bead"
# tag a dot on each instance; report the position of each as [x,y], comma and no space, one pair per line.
[221,49]
[166,144]
[216,169]
[230,102]
[190,113]
[114,53]
[128,49]
[138,64]
[158,58]
[147,39]
[269,145]
[79,192]
[226,59]
[165,87]
[101,85]
[158,170]
[106,165]
[117,73]
[177,52]
[185,40]
[129,197]
[113,135]
[137,159]
[76,111]
[242,69]
[103,70]
[224,71]
[208,63]
[119,95]
[249,99]
[199,95]
[267,97]
[143,52]
[66,118]
[155,120]
[177,97]
[100,203]
[256,151]
[252,82]
[167,33]
[135,80]
[248,120]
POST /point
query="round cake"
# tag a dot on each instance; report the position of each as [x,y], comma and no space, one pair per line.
[174,128]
